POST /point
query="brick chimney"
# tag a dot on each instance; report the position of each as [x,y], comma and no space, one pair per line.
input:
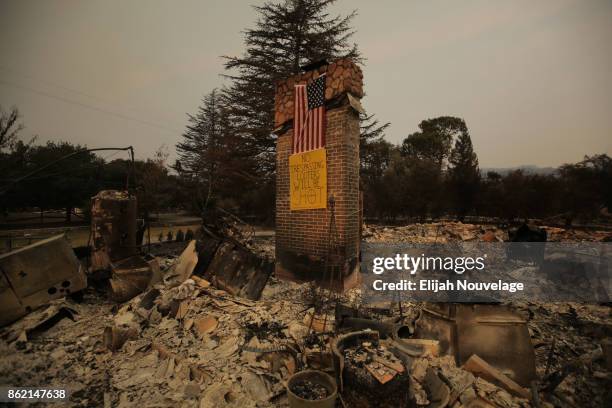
[302,236]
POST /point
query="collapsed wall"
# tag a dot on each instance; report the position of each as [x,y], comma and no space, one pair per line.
[303,236]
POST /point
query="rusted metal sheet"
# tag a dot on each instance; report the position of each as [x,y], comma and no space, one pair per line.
[130,277]
[493,332]
[239,271]
[33,275]
[113,228]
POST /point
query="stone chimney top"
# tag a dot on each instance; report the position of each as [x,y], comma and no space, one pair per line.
[343,76]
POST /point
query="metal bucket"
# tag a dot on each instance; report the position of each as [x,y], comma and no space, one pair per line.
[318,377]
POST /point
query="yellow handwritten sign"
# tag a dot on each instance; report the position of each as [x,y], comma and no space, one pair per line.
[308,179]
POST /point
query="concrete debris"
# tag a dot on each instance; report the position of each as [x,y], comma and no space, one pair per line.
[438,382]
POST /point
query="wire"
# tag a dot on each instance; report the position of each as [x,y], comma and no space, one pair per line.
[91,107]
[70,170]
[105,158]
[65,88]
[6,69]
[59,173]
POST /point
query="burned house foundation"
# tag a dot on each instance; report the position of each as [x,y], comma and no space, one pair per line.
[217,330]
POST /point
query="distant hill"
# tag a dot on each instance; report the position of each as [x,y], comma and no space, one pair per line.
[527,169]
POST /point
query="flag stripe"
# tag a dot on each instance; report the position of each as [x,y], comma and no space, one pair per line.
[297,118]
[309,116]
[310,135]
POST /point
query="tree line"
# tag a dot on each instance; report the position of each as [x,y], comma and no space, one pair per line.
[434,172]
[70,183]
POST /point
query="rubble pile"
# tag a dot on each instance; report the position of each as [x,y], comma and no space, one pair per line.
[65,350]
[576,235]
[186,342]
[443,232]
[567,333]
[194,354]
[437,381]
[568,338]
[188,348]
[440,232]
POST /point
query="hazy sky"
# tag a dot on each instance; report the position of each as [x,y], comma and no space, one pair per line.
[532,79]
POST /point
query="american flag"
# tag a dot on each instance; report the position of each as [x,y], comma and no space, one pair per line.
[309,117]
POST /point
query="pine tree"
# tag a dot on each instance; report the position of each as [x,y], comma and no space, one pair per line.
[463,161]
[371,130]
[374,158]
[463,174]
[204,159]
[240,118]
[286,36]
